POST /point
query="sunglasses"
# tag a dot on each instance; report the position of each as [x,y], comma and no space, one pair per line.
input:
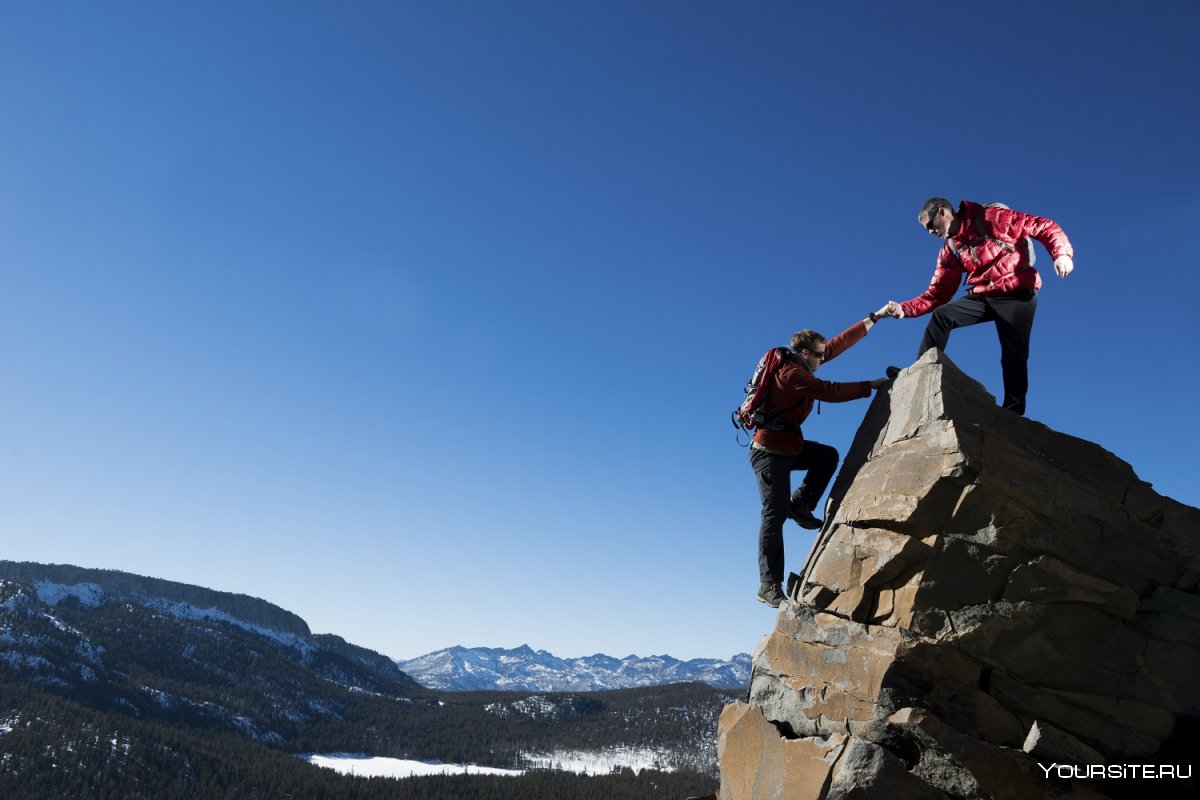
[929,223]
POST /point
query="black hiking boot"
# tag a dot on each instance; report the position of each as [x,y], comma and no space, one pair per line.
[805,519]
[771,594]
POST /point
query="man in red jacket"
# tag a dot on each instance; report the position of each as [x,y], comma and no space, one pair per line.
[775,454]
[989,245]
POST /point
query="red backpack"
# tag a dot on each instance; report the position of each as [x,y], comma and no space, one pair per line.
[752,414]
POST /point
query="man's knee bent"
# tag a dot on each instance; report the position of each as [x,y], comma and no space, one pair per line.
[822,455]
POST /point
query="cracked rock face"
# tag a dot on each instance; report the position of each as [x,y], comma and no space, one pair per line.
[988,597]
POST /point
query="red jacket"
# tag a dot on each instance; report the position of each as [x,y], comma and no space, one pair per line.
[795,389]
[989,266]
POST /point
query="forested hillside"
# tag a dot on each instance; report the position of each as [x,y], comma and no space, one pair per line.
[53,748]
[107,696]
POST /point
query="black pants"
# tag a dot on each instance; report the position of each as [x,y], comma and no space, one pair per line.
[1013,315]
[774,473]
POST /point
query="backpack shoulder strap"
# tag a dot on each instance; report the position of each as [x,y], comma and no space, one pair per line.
[1025,244]
[981,228]
[981,233]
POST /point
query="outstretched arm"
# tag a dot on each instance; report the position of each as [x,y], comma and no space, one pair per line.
[947,275]
[875,316]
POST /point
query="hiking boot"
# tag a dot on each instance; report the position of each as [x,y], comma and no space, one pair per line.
[805,519]
[770,594]
[1016,408]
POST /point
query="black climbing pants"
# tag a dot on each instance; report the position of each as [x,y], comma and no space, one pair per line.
[774,473]
[1013,316]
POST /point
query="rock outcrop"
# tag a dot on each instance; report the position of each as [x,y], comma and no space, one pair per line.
[992,610]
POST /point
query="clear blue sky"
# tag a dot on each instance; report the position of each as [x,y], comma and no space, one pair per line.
[425,320]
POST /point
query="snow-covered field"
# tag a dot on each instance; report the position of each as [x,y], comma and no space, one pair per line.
[581,762]
[375,767]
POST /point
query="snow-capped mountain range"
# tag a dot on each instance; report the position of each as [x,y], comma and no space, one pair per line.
[526,669]
[149,682]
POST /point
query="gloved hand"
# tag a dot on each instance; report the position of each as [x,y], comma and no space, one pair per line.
[1063,266]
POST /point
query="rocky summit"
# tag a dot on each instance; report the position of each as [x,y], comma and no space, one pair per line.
[993,610]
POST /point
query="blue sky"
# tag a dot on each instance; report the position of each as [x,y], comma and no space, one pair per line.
[424,320]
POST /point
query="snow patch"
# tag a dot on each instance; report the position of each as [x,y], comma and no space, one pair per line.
[535,707]
[88,594]
[188,611]
[165,700]
[601,762]
[23,660]
[581,762]
[378,767]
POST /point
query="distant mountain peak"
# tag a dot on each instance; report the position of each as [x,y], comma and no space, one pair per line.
[525,669]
